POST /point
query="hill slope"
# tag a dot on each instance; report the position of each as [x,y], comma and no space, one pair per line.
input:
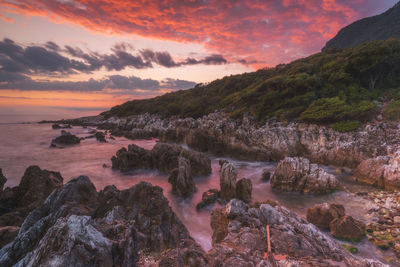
[381,27]
[328,87]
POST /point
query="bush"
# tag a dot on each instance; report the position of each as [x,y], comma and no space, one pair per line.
[392,111]
[345,126]
[325,110]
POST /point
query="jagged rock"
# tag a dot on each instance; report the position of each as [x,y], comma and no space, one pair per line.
[322,214]
[297,174]
[382,171]
[100,137]
[35,186]
[209,197]
[266,175]
[240,239]
[221,162]
[7,234]
[228,181]
[76,226]
[244,188]
[163,157]
[66,139]
[347,228]
[3,180]
[181,178]
[61,126]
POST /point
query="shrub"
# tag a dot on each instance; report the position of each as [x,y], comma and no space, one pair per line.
[392,110]
[345,126]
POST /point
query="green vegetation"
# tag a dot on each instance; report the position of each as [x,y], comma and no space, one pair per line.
[335,87]
[350,248]
[345,126]
[392,110]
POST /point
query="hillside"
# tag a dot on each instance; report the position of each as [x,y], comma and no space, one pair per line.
[381,27]
[328,87]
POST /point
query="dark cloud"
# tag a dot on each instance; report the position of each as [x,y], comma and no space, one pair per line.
[50,59]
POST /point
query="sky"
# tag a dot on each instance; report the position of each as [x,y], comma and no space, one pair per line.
[84,56]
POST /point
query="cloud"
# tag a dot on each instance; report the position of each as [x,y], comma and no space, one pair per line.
[114,82]
[51,59]
[259,31]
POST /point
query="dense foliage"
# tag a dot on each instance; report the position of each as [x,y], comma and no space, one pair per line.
[328,87]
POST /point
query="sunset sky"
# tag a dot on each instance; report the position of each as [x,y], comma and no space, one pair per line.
[86,56]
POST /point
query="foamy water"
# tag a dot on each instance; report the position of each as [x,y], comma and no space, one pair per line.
[22,145]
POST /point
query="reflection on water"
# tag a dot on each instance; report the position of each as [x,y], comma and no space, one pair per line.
[22,145]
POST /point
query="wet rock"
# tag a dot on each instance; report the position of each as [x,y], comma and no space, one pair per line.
[266,175]
[100,137]
[228,181]
[163,157]
[322,214]
[7,234]
[3,180]
[239,237]
[76,226]
[347,228]
[221,162]
[209,197]
[66,139]
[244,188]
[297,174]
[61,126]
[181,178]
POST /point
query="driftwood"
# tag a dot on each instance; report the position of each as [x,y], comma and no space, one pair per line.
[272,257]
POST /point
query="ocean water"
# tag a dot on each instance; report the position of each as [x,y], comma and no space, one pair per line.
[23,145]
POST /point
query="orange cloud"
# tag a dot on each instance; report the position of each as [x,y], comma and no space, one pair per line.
[261,32]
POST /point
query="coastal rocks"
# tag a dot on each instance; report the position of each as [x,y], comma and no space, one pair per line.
[244,188]
[266,175]
[322,214]
[240,239]
[347,228]
[297,174]
[100,137]
[163,157]
[228,181]
[109,228]
[383,171]
[65,139]
[209,197]
[181,178]
[7,234]
[3,180]
[57,126]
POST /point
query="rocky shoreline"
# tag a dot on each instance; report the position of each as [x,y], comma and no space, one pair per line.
[73,224]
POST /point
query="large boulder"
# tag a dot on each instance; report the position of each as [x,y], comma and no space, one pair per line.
[163,157]
[240,239]
[77,226]
[297,174]
[322,214]
[100,137]
[181,178]
[207,198]
[65,139]
[382,171]
[244,188]
[3,180]
[347,228]
[227,181]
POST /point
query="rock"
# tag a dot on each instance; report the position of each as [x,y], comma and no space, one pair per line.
[181,178]
[7,234]
[297,174]
[243,189]
[240,239]
[77,226]
[61,126]
[163,157]
[3,180]
[66,139]
[396,219]
[100,137]
[347,228]
[266,175]
[228,181]
[209,197]
[221,162]
[322,214]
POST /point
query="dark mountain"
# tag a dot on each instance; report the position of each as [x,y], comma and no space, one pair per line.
[381,27]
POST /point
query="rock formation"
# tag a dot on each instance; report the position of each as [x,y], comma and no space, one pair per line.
[65,139]
[228,181]
[163,157]
[100,137]
[297,174]
[207,198]
[181,178]
[3,180]
[244,189]
[322,214]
